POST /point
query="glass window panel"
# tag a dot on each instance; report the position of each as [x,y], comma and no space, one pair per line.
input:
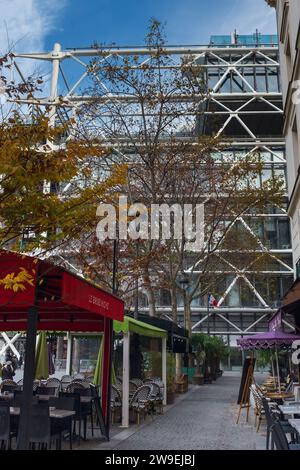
[261,79]
[273,80]
[284,234]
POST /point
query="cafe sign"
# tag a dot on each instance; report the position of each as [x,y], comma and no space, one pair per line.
[275,324]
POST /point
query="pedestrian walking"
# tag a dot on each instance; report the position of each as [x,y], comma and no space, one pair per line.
[8,371]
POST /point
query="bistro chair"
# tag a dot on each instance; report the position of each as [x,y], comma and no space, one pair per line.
[83,390]
[81,384]
[45,391]
[258,407]
[115,402]
[36,384]
[89,379]
[280,439]
[156,398]
[140,402]
[8,382]
[137,382]
[40,429]
[17,400]
[5,431]
[63,425]
[132,388]
[54,382]
[77,408]
[65,380]
[78,386]
[9,388]
[272,416]
[78,376]
[20,383]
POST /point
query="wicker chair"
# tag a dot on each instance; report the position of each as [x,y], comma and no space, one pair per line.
[140,402]
[132,388]
[78,376]
[83,383]
[8,382]
[137,382]
[89,379]
[74,385]
[258,408]
[156,398]
[115,403]
[53,382]
[65,381]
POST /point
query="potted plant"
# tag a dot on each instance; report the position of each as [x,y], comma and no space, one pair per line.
[200,355]
[171,386]
[171,389]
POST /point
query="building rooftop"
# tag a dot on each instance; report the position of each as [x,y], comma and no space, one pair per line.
[255,39]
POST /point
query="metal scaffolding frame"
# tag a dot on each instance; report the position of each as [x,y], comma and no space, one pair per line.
[237,97]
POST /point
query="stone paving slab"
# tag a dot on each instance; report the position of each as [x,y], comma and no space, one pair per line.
[204,418]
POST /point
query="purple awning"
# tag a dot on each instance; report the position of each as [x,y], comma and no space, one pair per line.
[268,340]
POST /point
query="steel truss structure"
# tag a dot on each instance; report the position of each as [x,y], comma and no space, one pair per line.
[244,105]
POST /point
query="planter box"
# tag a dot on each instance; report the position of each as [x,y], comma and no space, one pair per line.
[198,380]
[170,398]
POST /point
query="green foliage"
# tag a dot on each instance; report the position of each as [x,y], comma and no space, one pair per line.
[209,351]
[213,346]
[264,357]
[171,371]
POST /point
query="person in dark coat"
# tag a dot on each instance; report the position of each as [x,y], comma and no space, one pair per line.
[8,371]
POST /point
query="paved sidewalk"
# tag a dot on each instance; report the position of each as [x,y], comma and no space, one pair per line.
[204,418]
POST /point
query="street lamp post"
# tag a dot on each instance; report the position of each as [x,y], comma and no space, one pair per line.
[184,283]
[208,325]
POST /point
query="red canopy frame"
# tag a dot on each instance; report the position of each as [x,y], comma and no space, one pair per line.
[57,300]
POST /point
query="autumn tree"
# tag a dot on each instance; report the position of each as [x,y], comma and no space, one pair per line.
[148,110]
[49,185]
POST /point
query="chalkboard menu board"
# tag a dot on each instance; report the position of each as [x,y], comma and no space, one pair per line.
[97,403]
[248,363]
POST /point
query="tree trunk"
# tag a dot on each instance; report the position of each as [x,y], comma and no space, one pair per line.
[173,292]
[178,359]
[187,313]
[150,293]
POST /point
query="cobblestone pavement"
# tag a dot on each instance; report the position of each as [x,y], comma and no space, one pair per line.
[204,418]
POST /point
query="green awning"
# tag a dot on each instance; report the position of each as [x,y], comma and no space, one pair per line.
[139,327]
[98,369]
[41,357]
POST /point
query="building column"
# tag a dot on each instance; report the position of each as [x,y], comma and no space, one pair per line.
[164,368]
[125,383]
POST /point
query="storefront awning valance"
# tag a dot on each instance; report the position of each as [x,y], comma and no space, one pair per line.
[135,326]
[65,302]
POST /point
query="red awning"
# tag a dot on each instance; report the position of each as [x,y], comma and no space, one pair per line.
[65,302]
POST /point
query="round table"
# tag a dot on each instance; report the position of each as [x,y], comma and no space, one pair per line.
[279,395]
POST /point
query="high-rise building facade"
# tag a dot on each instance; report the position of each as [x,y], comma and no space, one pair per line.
[245,107]
[288,22]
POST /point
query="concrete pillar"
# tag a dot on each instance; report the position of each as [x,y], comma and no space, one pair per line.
[125,385]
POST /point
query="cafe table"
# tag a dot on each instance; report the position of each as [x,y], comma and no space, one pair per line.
[290,409]
[295,423]
[53,412]
[279,395]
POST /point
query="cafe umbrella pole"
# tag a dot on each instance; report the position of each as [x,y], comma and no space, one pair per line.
[114,289]
[277,366]
[29,369]
[208,326]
